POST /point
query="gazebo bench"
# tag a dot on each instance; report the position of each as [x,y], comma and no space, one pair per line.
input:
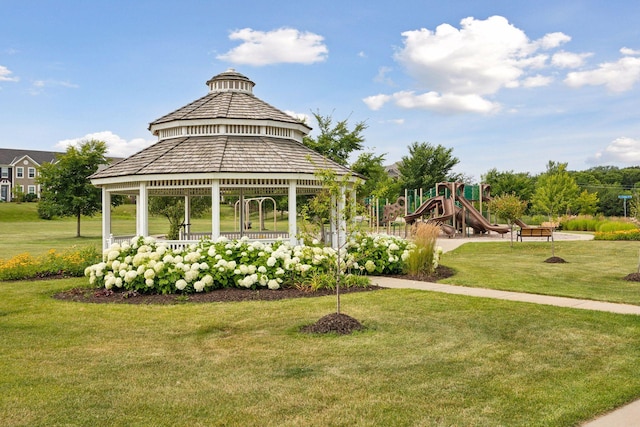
[535,232]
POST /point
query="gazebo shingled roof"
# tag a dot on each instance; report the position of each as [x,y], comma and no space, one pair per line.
[244,152]
[227,142]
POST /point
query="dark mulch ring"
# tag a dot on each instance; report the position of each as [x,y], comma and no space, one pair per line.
[440,273]
[337,323]
[219,295]
[633,277]
[555,260]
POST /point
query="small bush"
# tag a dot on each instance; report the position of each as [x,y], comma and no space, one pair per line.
[611,226]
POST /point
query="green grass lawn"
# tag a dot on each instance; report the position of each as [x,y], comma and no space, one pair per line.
[594,269]
[22,231]
[425,359]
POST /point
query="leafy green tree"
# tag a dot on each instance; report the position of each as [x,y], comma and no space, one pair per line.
[172,208]
[556,191]
[426,165]
[378,182]
[18,194]
[66,189]
[522,184]
[586,203]
[336,142]
[508,207]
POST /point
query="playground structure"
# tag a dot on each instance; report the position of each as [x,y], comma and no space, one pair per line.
[450,205]
[454,212]
[247,213]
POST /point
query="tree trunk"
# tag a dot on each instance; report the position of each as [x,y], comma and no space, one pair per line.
[78,224]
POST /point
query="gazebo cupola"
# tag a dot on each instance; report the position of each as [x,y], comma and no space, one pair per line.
[228,142]
[230,80]
[230,108]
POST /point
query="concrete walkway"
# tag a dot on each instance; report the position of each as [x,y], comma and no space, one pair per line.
[626,416]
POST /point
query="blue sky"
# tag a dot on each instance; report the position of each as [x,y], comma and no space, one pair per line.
[505,84]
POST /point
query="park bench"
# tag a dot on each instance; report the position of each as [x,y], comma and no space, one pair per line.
[535,232]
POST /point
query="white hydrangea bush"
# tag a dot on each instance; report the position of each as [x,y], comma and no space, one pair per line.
[149,266]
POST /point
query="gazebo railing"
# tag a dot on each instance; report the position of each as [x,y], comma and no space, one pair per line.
[191,238]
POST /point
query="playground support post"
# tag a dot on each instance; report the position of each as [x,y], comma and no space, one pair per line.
[406,202]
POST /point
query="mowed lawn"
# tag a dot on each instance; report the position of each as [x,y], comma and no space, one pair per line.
[22,231]
[425,359]
[593,269]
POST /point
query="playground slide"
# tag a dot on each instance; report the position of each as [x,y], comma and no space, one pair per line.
[426,207]
[479,222]
[447,209]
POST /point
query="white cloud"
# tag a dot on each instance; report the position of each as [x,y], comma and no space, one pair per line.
[5,75]
[564,59]
[38,86]
[284,45]
[618,76]
[116,146]
[300,116]
[628,51]
[376,102]
[460,68]
[552,40]
[537,81]
[398,122]
[381,77]
[622,150]
[443,103]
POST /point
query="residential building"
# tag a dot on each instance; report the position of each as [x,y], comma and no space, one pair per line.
[19,168]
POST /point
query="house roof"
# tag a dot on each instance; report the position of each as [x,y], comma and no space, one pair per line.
[10,155]
[220,154]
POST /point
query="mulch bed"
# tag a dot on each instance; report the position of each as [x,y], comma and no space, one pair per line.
[336,323]
[633,277]
[555,260]
[101,296]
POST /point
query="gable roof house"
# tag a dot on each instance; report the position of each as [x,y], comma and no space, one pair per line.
[19,168]
[228,142]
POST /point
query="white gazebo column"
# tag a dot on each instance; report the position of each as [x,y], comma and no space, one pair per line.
[106,218]
[187,216]
[215,209]
[142,211]
[293,224]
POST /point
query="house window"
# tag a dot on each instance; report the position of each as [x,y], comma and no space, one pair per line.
[4,172]
[19,172]
[32,172]
[31,189]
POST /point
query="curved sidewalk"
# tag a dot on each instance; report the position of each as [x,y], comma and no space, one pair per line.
[628,415]
[391,282]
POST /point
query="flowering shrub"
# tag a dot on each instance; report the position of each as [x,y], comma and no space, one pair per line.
[617,235]
[377,253]
[148,266]
[69,263]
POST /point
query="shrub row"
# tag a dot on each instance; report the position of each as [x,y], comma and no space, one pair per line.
[148,266]
[618,235]
[53,263]
[600,224]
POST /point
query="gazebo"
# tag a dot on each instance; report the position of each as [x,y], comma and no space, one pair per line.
[227,143]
